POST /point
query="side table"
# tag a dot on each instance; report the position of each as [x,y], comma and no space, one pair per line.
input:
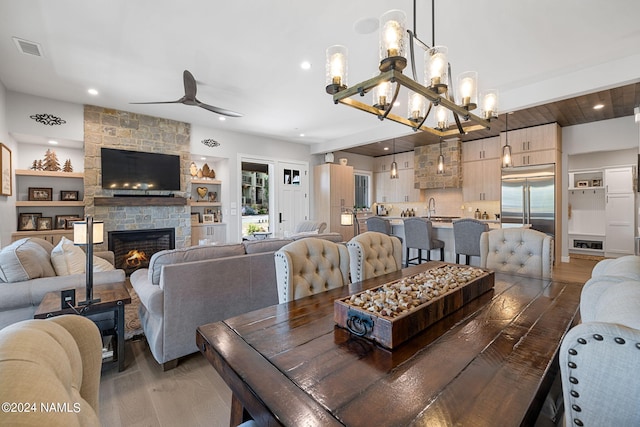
[113,297]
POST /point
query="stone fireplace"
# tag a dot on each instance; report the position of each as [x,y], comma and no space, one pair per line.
[133,248]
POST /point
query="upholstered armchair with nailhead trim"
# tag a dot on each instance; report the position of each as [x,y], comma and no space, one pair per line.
[373,254]
[517,250]
[600,358]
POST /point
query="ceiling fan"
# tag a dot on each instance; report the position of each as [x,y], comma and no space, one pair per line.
[189,98]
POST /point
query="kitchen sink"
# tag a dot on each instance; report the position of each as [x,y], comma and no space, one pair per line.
[438,218]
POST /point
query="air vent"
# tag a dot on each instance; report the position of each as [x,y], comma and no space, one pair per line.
[27,47]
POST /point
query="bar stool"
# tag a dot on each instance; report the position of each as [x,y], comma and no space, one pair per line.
[418,234]
[466,235]
[381,225]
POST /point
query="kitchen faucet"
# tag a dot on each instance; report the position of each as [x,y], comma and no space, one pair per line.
[429,208]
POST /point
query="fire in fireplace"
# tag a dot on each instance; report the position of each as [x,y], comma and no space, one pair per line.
[134,248]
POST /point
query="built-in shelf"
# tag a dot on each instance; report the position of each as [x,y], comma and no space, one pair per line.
[585,188]
[195,203]
[58,174]
[54,203]
[205,181]
[140,201]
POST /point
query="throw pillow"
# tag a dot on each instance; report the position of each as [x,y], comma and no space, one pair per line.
[25,259]
[68,258]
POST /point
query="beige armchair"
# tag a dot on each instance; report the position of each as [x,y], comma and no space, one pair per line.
[373,254]
[56,361]
[309,266]
[517,250]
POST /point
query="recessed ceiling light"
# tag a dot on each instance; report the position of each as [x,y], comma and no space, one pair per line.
[222,118]
[305,65]
[302,134]
[203,158]
[92,92]
[598,106]
[52,142]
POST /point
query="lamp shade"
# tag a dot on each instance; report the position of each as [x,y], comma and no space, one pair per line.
[436,69]
[392,34]
[468,89]
[80,232]
[346,218]
[489,104]
[417,106]
[336,68]
[442,117]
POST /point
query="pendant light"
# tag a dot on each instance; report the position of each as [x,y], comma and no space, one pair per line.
[440,160]
[506,150]
[394,165]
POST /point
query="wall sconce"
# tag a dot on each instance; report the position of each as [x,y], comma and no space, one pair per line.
[87,233]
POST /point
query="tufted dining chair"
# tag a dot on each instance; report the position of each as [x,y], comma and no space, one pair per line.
[373,254]
[309,266]
[466,236]
[600,358]
[517,250]
[418,234]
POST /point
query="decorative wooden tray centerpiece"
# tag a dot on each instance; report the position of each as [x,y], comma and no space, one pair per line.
[394,312]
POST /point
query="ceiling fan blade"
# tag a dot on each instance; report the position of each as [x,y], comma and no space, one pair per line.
[218,110]
[179,101]
[190,87]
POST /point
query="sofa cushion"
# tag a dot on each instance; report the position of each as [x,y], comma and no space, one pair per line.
[25,259]
[265,245]
[189,254]
[68,258]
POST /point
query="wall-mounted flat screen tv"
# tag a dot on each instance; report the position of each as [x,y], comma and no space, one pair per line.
[138,170]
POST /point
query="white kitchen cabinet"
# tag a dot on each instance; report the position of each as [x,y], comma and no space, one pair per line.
[398,190]
[212,233]
[334,191]
[618,180]
[619,224]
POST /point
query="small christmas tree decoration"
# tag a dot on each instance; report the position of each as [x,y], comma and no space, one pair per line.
[39,165]
[67,166]
[51,162]
[34,166]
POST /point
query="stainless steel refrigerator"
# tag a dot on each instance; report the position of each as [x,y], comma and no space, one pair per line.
[528,197]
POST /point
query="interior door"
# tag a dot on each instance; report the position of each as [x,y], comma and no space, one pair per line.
[293,196]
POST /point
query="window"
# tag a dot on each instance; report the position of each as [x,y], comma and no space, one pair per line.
[363,194]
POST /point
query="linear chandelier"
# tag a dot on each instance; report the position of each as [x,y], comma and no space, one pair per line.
[436,94]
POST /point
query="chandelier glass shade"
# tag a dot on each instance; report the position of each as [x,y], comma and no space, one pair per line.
[396,43]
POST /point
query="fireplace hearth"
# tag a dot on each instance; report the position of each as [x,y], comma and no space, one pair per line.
[133,248]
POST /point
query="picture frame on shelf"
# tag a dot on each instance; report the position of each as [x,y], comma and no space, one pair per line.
[28,221]
[195,217]
[69,195]
[68,224]
[61,221]
[596,183]
[209,211]
[45,223]
[582,184]
[40,194]
[6,184]
[207,218]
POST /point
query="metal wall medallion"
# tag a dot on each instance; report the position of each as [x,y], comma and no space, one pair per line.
[210,142]
[48,119]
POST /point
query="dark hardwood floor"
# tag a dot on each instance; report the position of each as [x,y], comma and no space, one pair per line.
[193,394]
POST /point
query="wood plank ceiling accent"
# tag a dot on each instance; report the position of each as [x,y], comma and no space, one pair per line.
[618,102]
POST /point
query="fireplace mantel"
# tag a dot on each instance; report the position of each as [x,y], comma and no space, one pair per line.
[140,201]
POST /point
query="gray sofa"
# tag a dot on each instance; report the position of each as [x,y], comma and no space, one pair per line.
[188,287]
[26,275]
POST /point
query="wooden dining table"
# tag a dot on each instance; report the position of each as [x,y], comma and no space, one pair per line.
[492,362]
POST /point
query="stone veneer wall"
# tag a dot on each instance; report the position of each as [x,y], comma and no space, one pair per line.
[426,165]
[122,130]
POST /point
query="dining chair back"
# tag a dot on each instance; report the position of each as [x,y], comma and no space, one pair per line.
[517,250]
[308,266]
[381,225]
[418,234]
[372,254]
[466,236]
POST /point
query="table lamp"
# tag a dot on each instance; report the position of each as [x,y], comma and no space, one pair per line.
[87,233]
[350,218]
